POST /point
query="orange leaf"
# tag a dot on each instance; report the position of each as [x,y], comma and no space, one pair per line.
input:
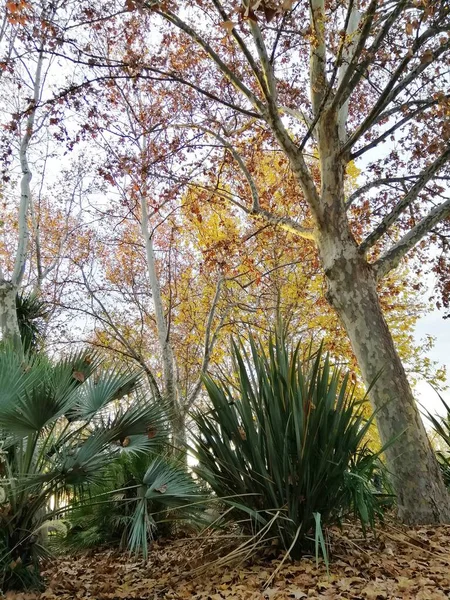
[228,26]
[12,6]
[287,4]
[427,57]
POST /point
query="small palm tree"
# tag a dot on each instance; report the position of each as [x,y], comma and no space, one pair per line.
[61,424]
[139,498]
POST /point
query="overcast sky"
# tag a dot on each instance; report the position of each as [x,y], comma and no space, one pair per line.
[434,324]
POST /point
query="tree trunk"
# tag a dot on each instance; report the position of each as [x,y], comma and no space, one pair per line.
[179,433]
[8,313]
[167,355]
[352,291]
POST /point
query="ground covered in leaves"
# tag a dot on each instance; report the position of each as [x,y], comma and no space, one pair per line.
[398,563]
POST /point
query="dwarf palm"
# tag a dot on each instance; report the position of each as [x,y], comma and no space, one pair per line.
[59,428]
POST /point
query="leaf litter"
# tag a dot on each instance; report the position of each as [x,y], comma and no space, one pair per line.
[398,563]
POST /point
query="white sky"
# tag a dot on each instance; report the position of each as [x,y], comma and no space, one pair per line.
[434,324]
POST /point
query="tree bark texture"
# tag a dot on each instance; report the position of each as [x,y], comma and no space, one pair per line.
[8,315]
[352,291]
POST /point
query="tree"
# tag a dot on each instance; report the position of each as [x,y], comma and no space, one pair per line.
[9,286]
[341,82]
[27,37]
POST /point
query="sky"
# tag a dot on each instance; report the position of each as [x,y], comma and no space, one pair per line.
[434,324]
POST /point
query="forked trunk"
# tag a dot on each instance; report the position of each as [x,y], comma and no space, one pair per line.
[421,494]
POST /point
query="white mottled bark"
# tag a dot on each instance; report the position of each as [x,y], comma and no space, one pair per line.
[9,289]
[25,191]
[8,315]
[421,494]
[352,291]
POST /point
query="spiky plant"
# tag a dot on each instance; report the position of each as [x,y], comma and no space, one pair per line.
[32,313]
[60,426]
[441,425]
[289,440]
[139,497]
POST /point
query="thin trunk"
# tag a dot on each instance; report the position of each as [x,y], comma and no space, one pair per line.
[25,190]
[168,360]
[179,432]
[9,289]
[421,494]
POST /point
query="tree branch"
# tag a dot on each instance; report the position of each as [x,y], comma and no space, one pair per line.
[243,46]
[285,222]
[25,190]
[391,259]
[391,91]
[407,199]
[317,63]
[226,71]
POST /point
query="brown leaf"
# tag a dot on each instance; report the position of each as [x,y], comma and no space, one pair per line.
[151,433]
[269,13]
[427,57]
[228,26]
[79,376]
[162,489]
[242,433]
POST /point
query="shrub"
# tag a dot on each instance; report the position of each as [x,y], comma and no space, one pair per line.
[32,313]
[60,427]
[441,425]
[140,497]
[288,438]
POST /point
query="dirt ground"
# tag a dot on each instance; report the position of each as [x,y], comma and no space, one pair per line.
[411,564]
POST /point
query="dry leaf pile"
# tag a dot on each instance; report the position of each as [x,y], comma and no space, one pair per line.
[400,563]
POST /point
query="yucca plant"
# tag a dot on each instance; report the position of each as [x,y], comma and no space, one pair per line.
[60,426]
[441,425]
[140,497]
[289,439]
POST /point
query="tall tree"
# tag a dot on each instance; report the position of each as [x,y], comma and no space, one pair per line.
[25,128]
[339,81]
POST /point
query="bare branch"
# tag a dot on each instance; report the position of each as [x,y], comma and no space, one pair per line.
[391,91]
[426,176]
[356,71]
[243,46]
[351,31]
[391,259]
[374,184]
[226,71]
[209,343]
